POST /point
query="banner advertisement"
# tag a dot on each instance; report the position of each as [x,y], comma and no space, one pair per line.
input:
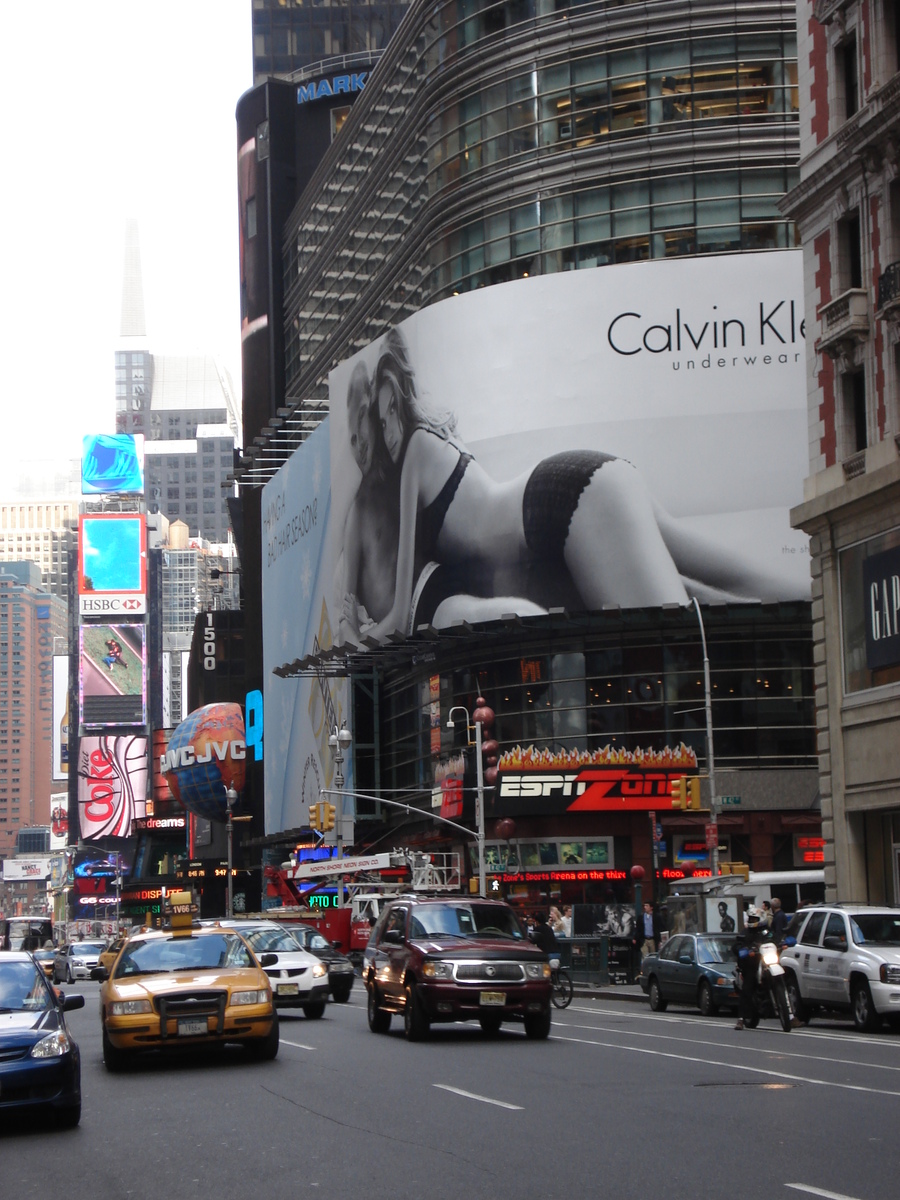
[59,820]
[112,464]
[112,565]
[112,784]
[300,618]
[632,436]
[60,717]
[96,870]
[112,675]
[541,782]
[18,869]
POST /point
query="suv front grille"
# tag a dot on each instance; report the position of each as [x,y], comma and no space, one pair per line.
[490,972]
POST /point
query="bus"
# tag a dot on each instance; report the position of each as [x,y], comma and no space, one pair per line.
[25,933]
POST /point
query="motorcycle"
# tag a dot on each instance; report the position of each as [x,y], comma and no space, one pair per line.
[770,996]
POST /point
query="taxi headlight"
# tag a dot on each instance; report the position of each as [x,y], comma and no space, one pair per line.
[53,1046]
[438,970]
[319,970]
[129,1008]
[538,970]
[254,997]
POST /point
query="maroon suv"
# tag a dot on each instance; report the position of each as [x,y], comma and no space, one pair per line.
[454,959]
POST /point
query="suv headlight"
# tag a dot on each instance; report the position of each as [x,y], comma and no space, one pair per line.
[260,997]
[319,970]
[55,1045]
[438,970]
[890,973]
[538,970]
[129,1008]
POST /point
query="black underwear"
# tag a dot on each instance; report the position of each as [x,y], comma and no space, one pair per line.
[439,581]
[431,519]
[551,496]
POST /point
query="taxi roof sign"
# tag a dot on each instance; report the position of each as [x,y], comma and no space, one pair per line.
[179,910]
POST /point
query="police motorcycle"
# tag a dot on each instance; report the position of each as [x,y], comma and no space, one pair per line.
[770,996]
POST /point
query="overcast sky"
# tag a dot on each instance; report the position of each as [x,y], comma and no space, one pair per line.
[114,108]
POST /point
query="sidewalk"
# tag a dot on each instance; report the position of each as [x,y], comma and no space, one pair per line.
[611,991]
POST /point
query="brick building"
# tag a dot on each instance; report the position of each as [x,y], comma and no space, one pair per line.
[847,210]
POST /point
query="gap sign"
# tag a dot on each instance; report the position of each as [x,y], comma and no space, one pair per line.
[336,86]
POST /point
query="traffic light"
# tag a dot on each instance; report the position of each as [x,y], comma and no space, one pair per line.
[327,816]
[678,791]
[685,792]
[315,816]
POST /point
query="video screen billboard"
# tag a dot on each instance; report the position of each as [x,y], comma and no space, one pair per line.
[112,784]
[60,717]
[112,564]
[112,677]
[112,464]
[95,870]
[299,618]
[633,435]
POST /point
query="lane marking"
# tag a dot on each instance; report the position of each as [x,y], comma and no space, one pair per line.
[712,1062]
[814,1191]
[779,1053]
[296,1045]
[445,1087]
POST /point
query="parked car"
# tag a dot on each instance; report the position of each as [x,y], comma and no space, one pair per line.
[692,968]
[456,959]
[846,959]
[76,961]
[172,989]
[40,1065]
[340,968]
[299,979]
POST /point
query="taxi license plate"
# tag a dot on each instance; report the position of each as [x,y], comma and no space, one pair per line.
[288,989]
[193,1027]
[496,999]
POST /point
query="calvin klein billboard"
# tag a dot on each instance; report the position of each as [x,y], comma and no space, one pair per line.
[631,435]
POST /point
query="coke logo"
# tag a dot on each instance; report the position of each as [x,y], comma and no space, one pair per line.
[100,781]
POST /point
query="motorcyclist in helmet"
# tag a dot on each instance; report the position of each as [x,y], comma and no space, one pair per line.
[746,948]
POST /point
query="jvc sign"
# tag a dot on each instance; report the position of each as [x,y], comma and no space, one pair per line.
[338,85]
[881,585]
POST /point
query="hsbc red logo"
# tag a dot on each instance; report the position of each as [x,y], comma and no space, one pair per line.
[131,605]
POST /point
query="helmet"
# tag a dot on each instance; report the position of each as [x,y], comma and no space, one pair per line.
[753,917]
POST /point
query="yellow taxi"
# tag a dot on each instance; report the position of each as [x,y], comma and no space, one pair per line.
[109,956]
[184,986]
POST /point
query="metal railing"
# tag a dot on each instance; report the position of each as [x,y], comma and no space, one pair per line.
[889,285]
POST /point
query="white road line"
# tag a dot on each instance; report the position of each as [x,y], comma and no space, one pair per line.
[711,1062]
[814,1191]
[445,1087]
[296,1045]
[738,1045]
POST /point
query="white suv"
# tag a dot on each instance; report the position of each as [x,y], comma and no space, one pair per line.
[847,958]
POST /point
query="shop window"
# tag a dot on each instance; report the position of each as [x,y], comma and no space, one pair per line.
[848,75]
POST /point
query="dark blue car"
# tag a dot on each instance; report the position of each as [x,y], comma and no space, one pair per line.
[692,968]
[40,1066]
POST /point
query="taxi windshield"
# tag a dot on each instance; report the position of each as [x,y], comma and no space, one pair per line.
[162,956]
[465,920]
[22,988]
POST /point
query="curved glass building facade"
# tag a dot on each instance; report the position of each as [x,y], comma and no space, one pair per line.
[498,141]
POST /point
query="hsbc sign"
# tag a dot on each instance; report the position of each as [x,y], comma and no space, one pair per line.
[110,604]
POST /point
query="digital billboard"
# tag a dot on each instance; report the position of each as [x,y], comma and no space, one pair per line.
[112,677]
[59,820]
[96,870]
[112,564]
[299,618]
[112,464]
[112,784]
[633,435]
[61,717]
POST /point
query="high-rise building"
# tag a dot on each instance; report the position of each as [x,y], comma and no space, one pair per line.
[847,210]
[289,35]
[42,532]
[185,408]
[30,621]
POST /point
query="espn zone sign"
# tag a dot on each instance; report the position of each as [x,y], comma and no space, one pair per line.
[589,789]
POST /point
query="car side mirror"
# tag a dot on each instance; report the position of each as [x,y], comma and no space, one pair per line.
[68,1003]
[833,942]
[100,973]
[394,936]
[686,959]
[268,960]
[336,945]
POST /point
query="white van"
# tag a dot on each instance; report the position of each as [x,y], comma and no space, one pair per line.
[792,888]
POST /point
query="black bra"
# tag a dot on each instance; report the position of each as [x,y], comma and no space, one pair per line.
[431,519]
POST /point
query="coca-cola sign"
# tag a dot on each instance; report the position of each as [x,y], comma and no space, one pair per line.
[112,784]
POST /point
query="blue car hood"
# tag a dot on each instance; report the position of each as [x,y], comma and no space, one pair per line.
[24,1028]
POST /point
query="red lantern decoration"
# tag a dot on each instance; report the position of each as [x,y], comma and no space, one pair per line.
[483,714]
[637,873]
[506,829]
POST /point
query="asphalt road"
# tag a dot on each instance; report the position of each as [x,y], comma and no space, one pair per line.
[620,1102]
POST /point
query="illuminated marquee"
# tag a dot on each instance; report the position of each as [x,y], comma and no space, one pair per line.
[338,85]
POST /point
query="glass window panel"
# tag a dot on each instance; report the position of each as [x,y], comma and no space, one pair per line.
[668,55]
[556,118]
[709,49]
[589,70]
[628,62]
[721,183]
[554,78]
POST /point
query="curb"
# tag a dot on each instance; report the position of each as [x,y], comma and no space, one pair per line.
[602,993]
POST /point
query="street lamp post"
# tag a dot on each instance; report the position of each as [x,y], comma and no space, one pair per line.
[710,757]
[340,741]
[230,801]
[479,794]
